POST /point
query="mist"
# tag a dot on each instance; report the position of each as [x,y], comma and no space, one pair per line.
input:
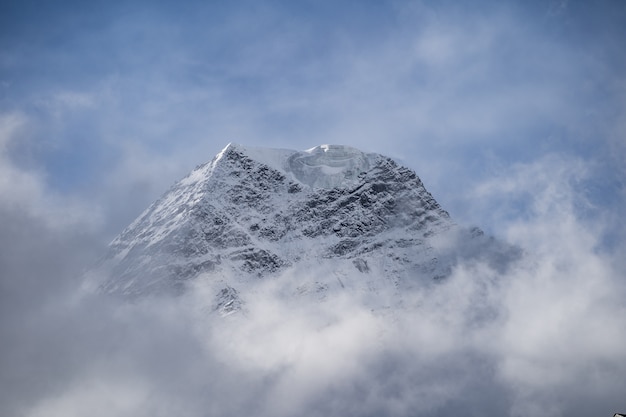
[543,337]
[513,115]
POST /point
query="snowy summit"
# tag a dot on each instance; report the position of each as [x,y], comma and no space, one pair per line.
[253,213]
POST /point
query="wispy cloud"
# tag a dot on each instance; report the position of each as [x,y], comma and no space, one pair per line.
[542,338]
[513,116]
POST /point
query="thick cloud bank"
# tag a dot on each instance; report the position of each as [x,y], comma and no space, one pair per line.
[514,114]
[546,338]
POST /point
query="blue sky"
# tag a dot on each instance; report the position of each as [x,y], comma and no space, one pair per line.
[513,113]
[114,96]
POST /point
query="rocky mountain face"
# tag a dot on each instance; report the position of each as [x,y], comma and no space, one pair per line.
[332,218]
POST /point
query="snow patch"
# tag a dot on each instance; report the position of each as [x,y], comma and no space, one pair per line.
[324,166]
[330,166]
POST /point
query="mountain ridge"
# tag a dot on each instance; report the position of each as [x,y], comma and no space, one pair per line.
[253,213]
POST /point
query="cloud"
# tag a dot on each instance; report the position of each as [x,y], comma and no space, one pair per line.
[25,189]
[543,338]
[18,186]
[512,115]
[451,89]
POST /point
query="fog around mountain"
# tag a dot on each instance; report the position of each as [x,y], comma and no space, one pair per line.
[544,338]
[512,114]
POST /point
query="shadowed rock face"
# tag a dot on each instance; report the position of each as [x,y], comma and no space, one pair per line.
[253,213]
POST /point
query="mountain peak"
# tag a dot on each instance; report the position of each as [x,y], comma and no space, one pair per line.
[255,213]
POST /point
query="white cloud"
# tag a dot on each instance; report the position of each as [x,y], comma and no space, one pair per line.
[16,186]
[447,92]
[97,397]
[543,338]
[25,189]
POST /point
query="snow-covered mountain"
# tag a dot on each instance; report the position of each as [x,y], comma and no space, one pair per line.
[332,218]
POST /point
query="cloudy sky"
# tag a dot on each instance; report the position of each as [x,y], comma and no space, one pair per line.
[512,113]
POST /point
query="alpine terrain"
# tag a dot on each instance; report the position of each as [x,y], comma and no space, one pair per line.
[332,218]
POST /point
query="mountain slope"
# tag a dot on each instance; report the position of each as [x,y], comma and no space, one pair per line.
[359,220]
